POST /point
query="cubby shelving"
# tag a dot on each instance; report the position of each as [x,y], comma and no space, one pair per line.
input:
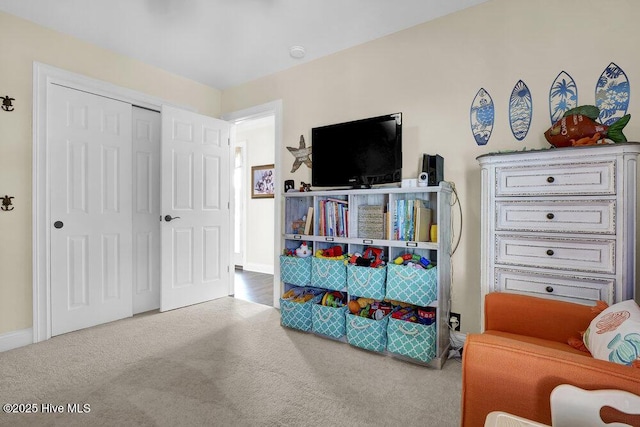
[335,221]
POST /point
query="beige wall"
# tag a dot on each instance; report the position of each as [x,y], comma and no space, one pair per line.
[431,73]
[260,138]
[21,44]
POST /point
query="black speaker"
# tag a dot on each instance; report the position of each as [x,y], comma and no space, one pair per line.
[432,170]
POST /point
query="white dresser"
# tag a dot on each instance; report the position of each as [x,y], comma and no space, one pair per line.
[561,223]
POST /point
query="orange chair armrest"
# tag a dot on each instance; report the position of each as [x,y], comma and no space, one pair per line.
[502,374]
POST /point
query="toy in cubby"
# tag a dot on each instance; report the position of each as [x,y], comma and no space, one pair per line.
[413,260]
[333,299]
[334,253]
[301,251]
[301,294]
[416,314]
[370,308]
[372,257]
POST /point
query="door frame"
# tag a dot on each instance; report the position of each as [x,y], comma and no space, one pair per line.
[243,184]
[273,108]
[43,75]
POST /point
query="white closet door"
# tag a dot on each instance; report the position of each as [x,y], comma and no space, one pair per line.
[89,139]
[195,249]
[146,210]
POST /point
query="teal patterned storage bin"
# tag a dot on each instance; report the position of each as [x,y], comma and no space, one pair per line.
[329,321]
[295,271]
[412,285]
[413,340]
[366,333]
[297,315]
[328,274]
[366,282]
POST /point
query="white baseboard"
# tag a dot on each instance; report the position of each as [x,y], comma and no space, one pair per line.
[16,339]
[259,268]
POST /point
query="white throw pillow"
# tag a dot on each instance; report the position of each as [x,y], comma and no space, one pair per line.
[614,334]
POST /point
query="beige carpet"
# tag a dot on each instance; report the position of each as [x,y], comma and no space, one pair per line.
[223,363]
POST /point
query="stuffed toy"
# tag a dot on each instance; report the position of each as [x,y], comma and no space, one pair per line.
[303,251]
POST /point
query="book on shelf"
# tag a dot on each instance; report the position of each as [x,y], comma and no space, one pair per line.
[411,221]
[422,217]
[333,217]
[308,226]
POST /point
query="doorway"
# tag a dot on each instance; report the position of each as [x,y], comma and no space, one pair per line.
[253,145]
[246,122]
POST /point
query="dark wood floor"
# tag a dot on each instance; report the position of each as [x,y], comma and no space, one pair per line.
[254,287]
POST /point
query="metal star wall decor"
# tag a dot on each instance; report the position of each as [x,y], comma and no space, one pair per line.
[301,154]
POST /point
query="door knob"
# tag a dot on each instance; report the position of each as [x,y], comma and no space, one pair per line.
[169,218]
[58,224]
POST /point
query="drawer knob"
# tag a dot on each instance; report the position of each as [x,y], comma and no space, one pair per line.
[549,252]
[550,179]
[550,215]
[548,289]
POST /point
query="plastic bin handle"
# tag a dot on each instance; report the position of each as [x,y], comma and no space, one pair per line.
[406,331]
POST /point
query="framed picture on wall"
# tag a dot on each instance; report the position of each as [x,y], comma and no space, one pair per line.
[263,180]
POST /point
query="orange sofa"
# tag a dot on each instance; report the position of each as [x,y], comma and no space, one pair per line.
[523,355]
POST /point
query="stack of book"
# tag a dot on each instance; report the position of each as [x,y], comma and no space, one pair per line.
[333,217]
[411,221]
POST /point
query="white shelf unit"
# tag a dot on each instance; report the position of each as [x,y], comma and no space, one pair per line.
[437,198]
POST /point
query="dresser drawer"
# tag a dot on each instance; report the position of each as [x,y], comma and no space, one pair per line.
[567,216]
[556,179]
[583,290]
[595,255]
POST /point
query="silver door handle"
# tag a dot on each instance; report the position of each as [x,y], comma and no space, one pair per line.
[168,218]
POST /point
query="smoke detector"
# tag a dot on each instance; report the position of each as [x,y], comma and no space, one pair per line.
[297,52]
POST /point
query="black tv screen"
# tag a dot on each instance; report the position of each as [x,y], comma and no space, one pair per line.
[357,154]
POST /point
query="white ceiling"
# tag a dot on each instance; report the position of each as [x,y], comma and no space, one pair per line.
[223,43]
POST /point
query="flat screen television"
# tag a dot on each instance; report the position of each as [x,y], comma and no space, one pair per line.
[358,154]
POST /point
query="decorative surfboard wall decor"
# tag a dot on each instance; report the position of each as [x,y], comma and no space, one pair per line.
[612,94]
[563,96]
[520,110]
[482,117]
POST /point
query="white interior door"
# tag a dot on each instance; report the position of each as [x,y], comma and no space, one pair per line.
[146,210]
[195,206]
[89,140]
